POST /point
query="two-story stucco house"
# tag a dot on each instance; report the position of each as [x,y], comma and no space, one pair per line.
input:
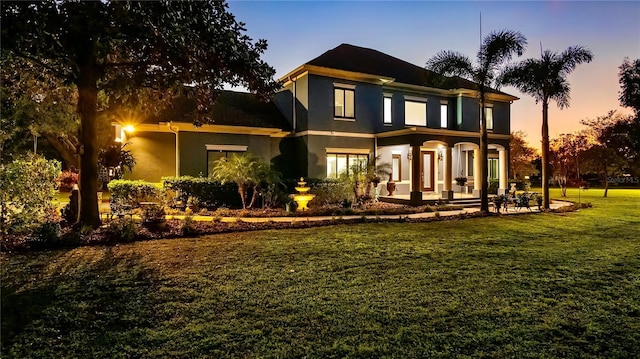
[347,105]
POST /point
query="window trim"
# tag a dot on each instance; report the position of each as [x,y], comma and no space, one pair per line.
[446,119]
[347,154]
[384,110]
[411,99]
[344,88]
[486,106]
[399,157]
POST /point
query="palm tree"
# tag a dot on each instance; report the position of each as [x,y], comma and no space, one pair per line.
[245,170]
[546,79]
[496,48]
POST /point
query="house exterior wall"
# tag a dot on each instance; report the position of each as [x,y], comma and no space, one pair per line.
[193,152]
[155,156]
[367,102]
[317,151]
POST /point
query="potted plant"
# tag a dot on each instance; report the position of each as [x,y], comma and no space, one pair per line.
[461,180]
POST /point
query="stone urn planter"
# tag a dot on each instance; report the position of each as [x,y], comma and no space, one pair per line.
[391,186]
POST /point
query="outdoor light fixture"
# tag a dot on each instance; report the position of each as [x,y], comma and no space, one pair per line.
[129,129]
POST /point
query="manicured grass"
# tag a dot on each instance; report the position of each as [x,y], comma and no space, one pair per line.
[541,285]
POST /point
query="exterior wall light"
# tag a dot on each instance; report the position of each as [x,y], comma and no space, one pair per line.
[129,129]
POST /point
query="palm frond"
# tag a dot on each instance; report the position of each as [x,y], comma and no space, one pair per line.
[500,46]
[451,63]
[573,56]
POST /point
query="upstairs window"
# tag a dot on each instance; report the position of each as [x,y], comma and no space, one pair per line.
[415,113]
[444,119]
[488,113]
[387,111]
[344,106]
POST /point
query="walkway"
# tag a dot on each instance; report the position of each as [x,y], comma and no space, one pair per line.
[301,218]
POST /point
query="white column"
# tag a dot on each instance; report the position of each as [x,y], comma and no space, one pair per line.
[477,182]
[503,173]
[448,169]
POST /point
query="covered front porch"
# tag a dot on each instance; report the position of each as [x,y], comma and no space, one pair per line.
[427,168]
[428,198]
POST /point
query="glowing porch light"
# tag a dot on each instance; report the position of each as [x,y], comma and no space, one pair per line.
[129,129]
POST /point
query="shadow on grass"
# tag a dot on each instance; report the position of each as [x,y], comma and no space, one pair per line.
[65,304]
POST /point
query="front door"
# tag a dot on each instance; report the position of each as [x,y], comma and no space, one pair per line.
[428,170]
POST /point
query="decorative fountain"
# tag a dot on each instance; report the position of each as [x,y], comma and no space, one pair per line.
[303,198]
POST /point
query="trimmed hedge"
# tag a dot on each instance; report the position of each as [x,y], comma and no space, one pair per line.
[131,193]
[208,192]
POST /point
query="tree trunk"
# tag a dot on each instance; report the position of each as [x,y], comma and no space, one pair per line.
[87,109]
[242,195]
[68,154]
[545,153]
[484,158]
[253,196]
[606,179]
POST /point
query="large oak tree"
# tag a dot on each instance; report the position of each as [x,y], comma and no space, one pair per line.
[130,54]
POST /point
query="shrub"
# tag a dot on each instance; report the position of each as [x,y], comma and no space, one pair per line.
[27,190]
[493,186]
[208,192]
[131,193]
[46,235]
[122,230]
[66,180]
[188,227]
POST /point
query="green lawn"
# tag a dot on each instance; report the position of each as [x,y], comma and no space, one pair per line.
[540,285]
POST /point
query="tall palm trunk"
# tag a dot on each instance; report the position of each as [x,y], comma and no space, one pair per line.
[87,109]
[484,165]
[545,153]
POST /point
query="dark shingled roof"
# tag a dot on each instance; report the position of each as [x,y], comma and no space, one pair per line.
[231,108]
[360,59]
[246,109]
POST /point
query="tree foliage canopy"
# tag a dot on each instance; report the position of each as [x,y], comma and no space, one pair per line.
[521,156]
[122,55]
[629,78]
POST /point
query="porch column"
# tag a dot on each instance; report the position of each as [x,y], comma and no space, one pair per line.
[477,183]
[503,173]
[415,197]
[447,193]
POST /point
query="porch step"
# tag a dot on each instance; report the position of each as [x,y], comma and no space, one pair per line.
[469,202]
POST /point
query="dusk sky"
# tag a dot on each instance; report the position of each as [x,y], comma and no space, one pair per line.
[416,30]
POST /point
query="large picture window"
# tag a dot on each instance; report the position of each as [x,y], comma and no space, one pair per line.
[344,104]
[415,113]
[345,163]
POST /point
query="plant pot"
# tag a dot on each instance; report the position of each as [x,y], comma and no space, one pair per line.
[391,187]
